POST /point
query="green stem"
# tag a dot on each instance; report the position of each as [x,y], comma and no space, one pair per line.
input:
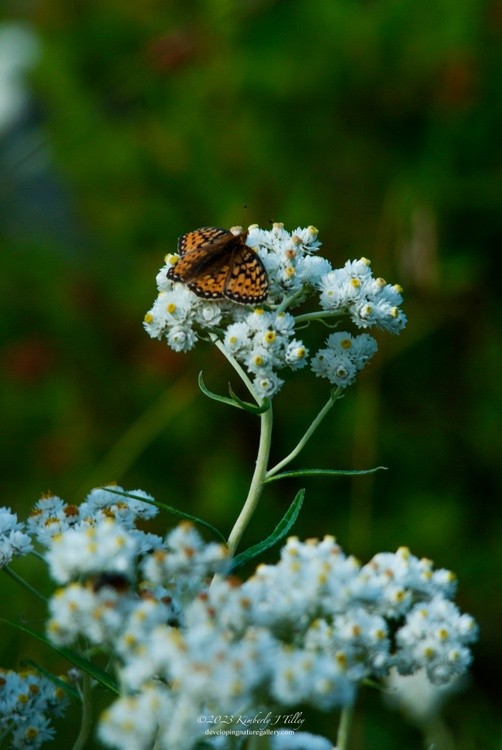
[287,301]
[239,370]
[313,427]
[343,727]
[319,315]
[257,482]
[86,721]
[24,583]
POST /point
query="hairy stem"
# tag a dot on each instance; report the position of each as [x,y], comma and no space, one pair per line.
[239,370]
[257,482]
[342,737]
[86,721]
[319,315]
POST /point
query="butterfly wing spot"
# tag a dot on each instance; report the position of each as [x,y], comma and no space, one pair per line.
[216,263]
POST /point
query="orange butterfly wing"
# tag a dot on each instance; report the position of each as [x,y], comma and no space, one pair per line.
[247,280]
[201,237]
[215,263]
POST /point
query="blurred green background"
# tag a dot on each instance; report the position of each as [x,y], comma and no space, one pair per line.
[378,121]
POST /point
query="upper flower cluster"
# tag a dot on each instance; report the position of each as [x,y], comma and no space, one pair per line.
[265,339]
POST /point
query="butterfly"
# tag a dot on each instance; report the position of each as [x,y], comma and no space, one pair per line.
[216,263]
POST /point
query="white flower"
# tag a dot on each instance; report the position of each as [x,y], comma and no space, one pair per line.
[184,559]
[267,384]
[13,540]
[181,338]
[434,637]
[301,676]
[343,357]
[337,368]
[105,547]
[132,721]
[296,354]
[237,337]
[27,701]
[208,315]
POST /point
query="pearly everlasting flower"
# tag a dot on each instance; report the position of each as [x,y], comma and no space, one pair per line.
[132,721]
[343,357]
[435,637]
[393,582]
[111,502]
[315,678]
[14,542]
[50,517]
[307,630]
[105,547]
[28,702]
[353,290]
[265,340]
[185,560]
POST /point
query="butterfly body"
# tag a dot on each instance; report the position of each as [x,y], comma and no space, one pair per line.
[215,263]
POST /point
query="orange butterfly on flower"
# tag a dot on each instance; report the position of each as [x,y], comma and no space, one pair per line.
[216,263]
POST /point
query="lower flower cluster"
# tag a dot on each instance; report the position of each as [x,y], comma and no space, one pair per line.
[186,642]
[28,702]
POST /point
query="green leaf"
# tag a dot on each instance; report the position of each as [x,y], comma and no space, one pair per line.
[322,472]
[215,396]
[252,408]
[234,400]
[169,509]
[281,530]
[98,674]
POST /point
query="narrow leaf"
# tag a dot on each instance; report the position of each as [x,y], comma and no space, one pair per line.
[322,472]
[234,400]
[169,509]
[81,662]
[251,408]
[215,396]
[281,530]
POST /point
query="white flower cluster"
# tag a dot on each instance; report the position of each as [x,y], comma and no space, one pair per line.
[343,357]
[265,339]
[102,564]
[370,302]
[305,631]
[14,542]
[27,701]
[263,342]
[52,516]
